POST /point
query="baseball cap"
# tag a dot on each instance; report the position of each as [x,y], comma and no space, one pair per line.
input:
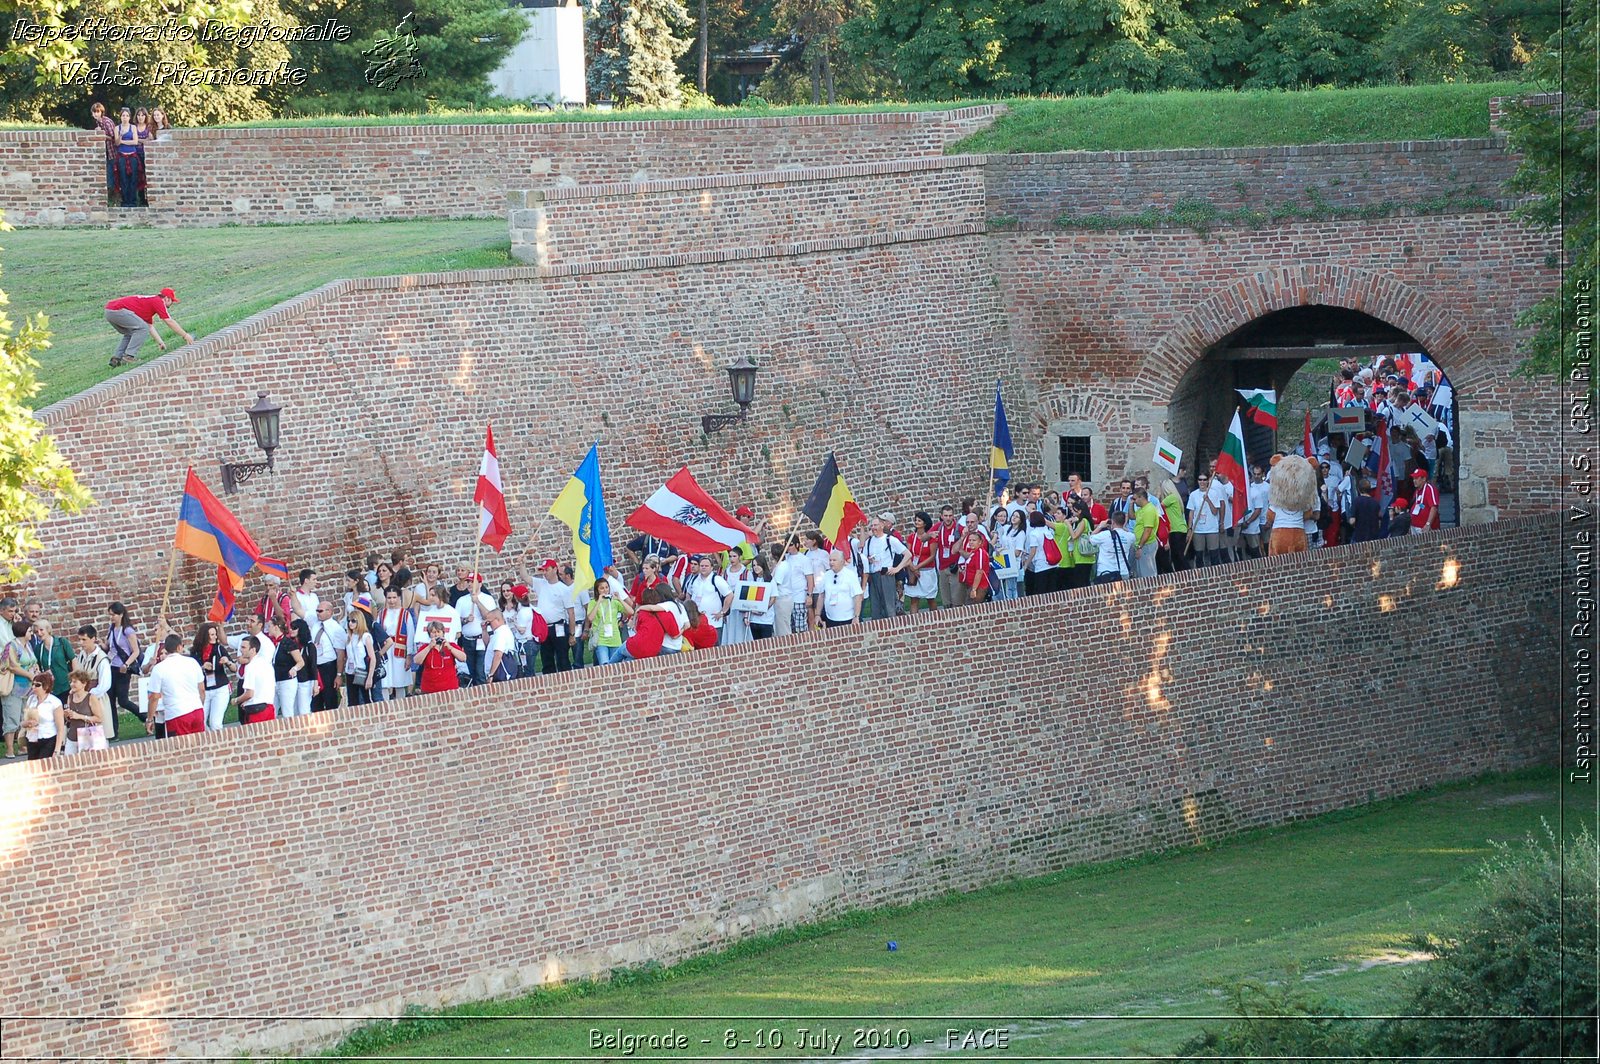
[744,511]
[1418,473]
[167,293]
[548,563]
[519,589]
[886,516]
[364,604]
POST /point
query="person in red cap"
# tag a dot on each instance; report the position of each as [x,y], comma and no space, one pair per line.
[135,317]
[1424,503]
[552,600]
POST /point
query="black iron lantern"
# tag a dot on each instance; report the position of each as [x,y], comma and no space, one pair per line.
[742,382]
[264,425]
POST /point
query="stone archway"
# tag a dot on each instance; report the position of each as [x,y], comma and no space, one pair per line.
[1164,387]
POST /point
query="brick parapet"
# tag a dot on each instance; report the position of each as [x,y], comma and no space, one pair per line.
[433,848]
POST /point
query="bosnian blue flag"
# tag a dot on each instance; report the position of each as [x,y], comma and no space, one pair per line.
[1000,452]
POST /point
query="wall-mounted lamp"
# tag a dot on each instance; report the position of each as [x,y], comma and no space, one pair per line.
[264,424]
[742,380]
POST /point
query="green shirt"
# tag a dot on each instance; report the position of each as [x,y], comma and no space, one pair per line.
[1145,517]
[605,622]
[1176,519]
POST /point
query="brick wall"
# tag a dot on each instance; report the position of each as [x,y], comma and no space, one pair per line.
[604,223]
[358,863]
[868,350]
[250,176]
[1037,189]
[1107,325]
[52,178]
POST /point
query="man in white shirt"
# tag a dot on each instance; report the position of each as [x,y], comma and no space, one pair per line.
[1205,522]
[553,602]
[1115,545]
[790,577]
[177,687]
[471,609]
[710,593]
[330,639]
[304,600]
[502,654]
[254,627]
[92,659]
[885,556]
[841,593]
[1256,492]
[257,684]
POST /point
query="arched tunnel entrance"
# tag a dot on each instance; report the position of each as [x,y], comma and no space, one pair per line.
[1297,353]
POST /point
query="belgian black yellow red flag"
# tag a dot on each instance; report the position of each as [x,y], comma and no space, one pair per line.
[830,504]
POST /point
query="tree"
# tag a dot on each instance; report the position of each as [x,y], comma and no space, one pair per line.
[34,479]
[633,50]
[937,49]
[1559,160]
[457,44]
[816,22]
[56,79]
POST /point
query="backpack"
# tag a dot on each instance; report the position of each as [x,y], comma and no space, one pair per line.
[507,669]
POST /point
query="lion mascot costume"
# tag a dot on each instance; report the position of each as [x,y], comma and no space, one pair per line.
[1293,490]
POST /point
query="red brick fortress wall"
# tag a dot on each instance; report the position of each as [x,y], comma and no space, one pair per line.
[205,177]
[1038,189]
[905,200]
[356,863]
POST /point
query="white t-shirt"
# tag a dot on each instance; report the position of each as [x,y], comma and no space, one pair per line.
[819,566]
[522,622]
[259,680]
[769,616]
[469,622]
[789,575]
[581,597]
[553,599]
[675,642]
[1201,517]
[1258,494]
[883,553]
[329,638]
[308,602]
[268,647]
[1289,519]
[839,591]
[1035,542]
[46,728]
[1108,561]
[708,593]
[504,641]
[177,678]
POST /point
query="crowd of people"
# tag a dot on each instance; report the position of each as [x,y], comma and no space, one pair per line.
[126,138]
[396,627]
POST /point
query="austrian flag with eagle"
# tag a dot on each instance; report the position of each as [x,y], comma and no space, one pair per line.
[681,513]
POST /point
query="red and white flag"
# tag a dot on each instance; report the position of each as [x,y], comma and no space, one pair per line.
[494,523]
[681,513]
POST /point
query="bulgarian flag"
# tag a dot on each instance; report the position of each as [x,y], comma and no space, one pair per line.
[1261,405]
[1231,463]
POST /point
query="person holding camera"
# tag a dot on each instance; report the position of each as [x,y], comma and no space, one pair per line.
[436,660]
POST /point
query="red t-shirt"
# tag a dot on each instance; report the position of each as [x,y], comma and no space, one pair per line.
[702,635]
[147,307]
[1427,498]
[653,627]
[439,672]
[1098,513]
[640,585]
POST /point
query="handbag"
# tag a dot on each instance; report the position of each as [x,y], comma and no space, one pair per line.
[8,679]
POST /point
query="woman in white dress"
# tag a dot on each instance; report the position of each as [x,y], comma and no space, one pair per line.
[397,624]
[924,585]
[736,626]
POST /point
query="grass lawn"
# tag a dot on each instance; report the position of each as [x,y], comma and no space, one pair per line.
[222,276]
[1328,902]
[1123,121]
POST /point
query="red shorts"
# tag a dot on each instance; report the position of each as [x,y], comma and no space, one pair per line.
[188,724]
[257,715]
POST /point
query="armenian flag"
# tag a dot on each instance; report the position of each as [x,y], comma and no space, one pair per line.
[582,507]
[206,530]
[1000,451]
[830,506]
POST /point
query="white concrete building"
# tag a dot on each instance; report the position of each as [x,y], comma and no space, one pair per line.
[546,66]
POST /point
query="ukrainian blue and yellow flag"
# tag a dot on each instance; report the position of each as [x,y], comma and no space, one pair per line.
[582,508]
[1000,452]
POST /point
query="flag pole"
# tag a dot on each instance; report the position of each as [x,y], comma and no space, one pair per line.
[172,567]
